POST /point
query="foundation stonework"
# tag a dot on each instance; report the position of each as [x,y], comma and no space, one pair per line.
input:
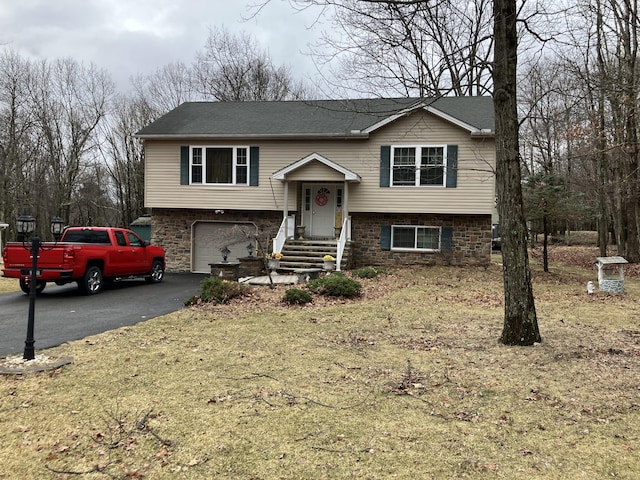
[471,242]
[172,229]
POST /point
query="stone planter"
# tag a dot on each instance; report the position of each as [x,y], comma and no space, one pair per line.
[329,265]
[250,266]
[225,270]
[274,264]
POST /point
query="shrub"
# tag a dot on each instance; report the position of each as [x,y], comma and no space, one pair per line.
[295,296]
[367,272]
[216,290]
[335,285]
[193,300]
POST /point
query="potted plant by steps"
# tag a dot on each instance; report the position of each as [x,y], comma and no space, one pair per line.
[274,260]
[329,263]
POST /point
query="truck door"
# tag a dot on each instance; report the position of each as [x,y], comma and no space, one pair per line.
[122,257]
[140,263]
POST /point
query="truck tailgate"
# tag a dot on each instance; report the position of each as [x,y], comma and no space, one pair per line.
[50,256]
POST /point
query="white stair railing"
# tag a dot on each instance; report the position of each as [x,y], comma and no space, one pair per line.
[345,234]
[286,230]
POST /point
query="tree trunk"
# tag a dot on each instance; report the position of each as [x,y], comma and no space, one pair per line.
[520,320]
[601,169]
[630,42]
[545,242]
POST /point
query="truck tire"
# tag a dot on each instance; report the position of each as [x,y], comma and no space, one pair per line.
[157,272]
[91,282]
[25,286]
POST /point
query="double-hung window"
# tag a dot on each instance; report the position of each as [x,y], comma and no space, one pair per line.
[418,166]
[415,238]
[220,165]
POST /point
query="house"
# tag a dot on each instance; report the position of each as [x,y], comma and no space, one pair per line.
[399,181]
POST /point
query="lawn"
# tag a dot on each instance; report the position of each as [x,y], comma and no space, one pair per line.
[8,285]
[408,381]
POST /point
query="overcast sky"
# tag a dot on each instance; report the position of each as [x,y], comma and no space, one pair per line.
[127,37]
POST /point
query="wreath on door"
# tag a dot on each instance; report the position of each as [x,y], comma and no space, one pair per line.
[322,197]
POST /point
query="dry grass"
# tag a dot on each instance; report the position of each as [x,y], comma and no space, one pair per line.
[8,285]
[408,382]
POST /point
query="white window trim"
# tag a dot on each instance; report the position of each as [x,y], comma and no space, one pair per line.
[418,160]
[234,156]
[415,227]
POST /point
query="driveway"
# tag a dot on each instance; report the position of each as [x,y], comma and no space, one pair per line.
[62,314]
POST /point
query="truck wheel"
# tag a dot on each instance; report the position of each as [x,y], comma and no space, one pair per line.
[25,286]
[157,272]
[92,281]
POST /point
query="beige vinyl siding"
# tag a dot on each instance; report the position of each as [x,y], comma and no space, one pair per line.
[475,180]
[474,193]
[163,188]
[315,171]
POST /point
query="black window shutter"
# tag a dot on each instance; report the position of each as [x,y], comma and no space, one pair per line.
[385,165]
[254,168]
[452,166]
[385,237]
[446,239]
[184,165]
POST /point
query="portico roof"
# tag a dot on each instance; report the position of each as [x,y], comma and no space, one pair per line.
[349,176]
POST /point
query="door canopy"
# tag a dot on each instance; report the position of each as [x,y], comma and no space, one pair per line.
[315,167]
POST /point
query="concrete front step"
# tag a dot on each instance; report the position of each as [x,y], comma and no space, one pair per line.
[309,253]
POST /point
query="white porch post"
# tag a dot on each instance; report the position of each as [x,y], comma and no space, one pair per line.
[286,207]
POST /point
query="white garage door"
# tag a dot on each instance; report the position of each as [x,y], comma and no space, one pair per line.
[209,238]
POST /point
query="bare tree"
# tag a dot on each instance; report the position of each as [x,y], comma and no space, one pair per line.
[601,39]
[69,101]
[124,155]
[235,68]
[164,89]
[410,48]
[624,106]
[17,137]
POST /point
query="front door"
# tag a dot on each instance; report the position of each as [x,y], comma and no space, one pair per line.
[320,204]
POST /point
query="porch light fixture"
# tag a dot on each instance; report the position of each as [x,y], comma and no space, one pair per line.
[250,249]
[25,226]
[225,253]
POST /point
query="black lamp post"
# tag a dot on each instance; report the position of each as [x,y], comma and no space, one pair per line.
[26,225]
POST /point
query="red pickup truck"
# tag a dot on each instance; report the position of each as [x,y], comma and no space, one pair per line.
[90,256]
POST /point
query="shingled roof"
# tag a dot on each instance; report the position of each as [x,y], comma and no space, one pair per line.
[316,118]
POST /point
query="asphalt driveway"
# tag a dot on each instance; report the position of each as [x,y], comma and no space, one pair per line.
[62,314]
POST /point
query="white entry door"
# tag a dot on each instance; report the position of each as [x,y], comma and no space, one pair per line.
[320,202]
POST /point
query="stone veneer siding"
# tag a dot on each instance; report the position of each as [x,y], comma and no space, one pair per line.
[471,243]
[171,229]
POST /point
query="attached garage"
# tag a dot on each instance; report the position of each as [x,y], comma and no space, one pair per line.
[208,239]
